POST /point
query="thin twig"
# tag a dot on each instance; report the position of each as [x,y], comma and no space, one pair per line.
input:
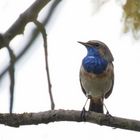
[44,35]
[12,77]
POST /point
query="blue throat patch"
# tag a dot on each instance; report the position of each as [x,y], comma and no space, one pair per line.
[93,62]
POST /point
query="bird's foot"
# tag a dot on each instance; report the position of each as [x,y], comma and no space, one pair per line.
[107,112]
[83,114]
[108,115]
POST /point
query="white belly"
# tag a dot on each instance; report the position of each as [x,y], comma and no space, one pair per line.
[95,85]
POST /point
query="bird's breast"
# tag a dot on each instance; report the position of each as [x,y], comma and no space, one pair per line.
[97,85]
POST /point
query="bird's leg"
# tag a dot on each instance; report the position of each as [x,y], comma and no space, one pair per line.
[83,112]
[107,112]
[108,115]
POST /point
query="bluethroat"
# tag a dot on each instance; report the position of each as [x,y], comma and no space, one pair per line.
[97,74]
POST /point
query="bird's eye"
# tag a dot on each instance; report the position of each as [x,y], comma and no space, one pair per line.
[97,44]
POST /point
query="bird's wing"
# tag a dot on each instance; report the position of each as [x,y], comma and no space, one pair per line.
[82,87]
[110,91]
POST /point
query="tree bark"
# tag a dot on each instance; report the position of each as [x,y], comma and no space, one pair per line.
[16,120]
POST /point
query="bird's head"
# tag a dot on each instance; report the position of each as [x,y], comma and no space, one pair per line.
[96,47]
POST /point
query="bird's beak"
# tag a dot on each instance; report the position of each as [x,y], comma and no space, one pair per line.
[83,43]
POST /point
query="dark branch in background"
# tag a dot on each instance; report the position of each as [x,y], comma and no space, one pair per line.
[32,38]
[12,77]
[41,28]
[12,32]
[18,26]
[16,120]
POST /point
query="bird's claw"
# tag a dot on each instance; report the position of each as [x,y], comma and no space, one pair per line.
[108,114]
[83,114]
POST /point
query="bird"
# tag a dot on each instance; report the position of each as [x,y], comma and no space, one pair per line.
[97,74]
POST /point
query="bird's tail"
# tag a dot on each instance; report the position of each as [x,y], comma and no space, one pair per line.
[96,106]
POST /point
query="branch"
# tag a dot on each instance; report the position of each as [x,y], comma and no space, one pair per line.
[12,77]
[41,28]
[31,40]
[16,120]
[18,26]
